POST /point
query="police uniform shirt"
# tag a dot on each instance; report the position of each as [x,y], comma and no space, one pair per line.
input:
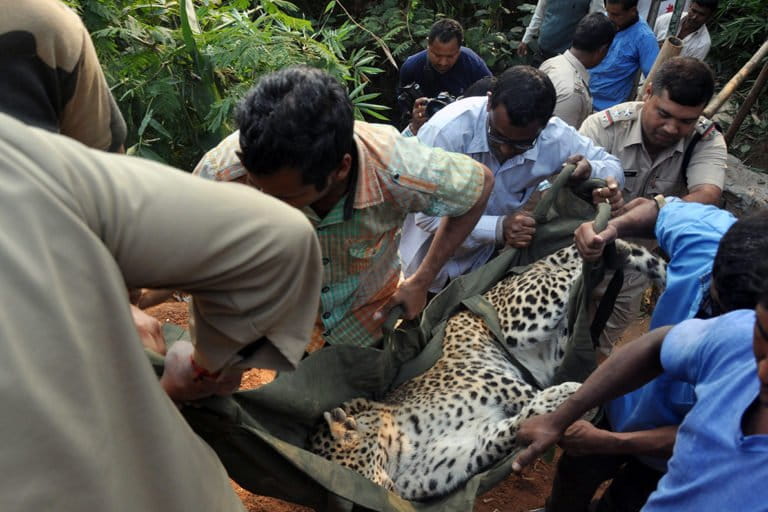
[571,81]
[619,130]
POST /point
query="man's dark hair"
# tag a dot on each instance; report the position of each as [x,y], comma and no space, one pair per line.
[687,80]
[625,4]
[481,87]
[593,32]
[445,30]
[711,4]
[739,270]
[298,117]
[526,93]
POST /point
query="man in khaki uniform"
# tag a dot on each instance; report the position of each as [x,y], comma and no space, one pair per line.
[667,148]
[86,426]
[52,77]
[652,138]
[568,71]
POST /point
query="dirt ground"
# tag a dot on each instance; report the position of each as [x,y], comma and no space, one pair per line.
[518,493]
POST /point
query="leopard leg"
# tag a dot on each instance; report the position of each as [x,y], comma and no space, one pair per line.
[501,437]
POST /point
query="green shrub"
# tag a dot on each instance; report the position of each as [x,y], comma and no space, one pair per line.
[741,27]
[178,71]
[490,27]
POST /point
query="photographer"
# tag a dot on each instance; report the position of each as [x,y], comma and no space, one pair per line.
[445,69]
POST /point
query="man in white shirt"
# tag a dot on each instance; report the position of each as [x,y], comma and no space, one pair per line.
[513,133]
[692,29]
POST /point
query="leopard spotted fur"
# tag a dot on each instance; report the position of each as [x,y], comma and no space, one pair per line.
[435,431]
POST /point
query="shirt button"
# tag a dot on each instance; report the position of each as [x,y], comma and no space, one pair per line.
[396,176]
[326,315]
[326,261]
[327,333]
[325,289]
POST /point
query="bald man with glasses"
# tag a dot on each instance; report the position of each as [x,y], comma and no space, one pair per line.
[513,133]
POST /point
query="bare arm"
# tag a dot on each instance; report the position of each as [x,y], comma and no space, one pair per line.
[583,438]
[705,194]
[412,292]
[627,369]
[532,31]
[638,220]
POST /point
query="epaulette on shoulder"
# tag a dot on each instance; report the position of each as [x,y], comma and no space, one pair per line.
[616,114]
[706,128]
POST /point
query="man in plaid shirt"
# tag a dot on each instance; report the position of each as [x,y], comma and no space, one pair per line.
[356,182]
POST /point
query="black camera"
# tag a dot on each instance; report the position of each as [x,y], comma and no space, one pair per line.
[411,92]
[438,102]
[408,95]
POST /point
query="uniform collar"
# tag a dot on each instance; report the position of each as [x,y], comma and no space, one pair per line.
[578,66]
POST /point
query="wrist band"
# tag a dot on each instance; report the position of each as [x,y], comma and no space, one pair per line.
[200,372]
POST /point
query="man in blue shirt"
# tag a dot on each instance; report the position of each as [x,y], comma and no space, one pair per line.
[633,48]
[513,133]
[445,66]
[719,460]
[713,261]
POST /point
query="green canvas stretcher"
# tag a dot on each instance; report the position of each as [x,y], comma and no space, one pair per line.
[261,435]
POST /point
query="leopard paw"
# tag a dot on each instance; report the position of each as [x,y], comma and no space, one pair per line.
[343,428]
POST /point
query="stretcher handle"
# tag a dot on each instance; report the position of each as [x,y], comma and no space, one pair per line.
[543,206]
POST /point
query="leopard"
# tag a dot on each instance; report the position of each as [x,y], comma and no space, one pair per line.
[433,432]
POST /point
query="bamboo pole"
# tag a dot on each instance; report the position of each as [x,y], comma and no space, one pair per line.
[671,48]
[762,78]
[737,79]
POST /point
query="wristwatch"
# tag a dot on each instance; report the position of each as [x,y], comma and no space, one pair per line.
[660,201]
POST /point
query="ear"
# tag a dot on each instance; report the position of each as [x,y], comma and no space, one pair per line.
[648,91]
[344,167]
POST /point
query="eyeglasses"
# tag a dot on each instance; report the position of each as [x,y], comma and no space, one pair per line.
[518,145]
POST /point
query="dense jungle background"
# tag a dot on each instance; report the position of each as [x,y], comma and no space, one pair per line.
[178,68]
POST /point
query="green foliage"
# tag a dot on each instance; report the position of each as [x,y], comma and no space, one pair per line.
[404,25]
[741,27]
[178,68]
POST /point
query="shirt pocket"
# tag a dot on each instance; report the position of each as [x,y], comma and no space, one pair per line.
[631,183]
[670,186]
[367,248]
[415,184]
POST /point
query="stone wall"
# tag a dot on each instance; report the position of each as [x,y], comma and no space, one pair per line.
[745,190]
